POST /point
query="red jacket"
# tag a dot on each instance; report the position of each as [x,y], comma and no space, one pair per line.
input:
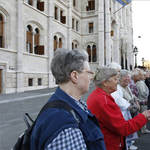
[114,127]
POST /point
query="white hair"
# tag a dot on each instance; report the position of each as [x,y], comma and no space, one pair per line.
[114,65]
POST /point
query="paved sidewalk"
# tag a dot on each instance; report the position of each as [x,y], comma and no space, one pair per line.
[4,98]
[143,142]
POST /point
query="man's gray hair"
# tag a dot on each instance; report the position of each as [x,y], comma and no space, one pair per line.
[135,72]
[105,73]
[65,61]
[114,65]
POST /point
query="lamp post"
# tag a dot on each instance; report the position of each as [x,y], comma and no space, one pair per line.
[143,61]
[135,52]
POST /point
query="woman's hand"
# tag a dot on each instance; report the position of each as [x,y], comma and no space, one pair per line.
[146,113]
[137,103]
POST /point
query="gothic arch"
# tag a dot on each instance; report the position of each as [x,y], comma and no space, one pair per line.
[36,23]
[7,24]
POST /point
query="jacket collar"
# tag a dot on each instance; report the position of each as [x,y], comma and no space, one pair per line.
[61,95]
[104,93]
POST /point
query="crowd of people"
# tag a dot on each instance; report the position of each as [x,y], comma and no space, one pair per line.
[110,118]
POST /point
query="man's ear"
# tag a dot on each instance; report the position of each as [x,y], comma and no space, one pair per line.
[74,76]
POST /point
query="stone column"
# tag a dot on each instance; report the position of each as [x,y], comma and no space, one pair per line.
[124,59]
[69,40]
[100,51]
[50,41]
[116,54]
[34,3]
[20,40]
[107,32]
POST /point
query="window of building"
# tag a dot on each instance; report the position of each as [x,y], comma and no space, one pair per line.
[92,53]
[39,81]
[62,18]
[94,58]
[77,24]
[91,5]
[36,41]
[89,52]
[56,13]
[55,43]
[72,45]
[74,3]
[112,32]
[30,82]
[91,27]
[30,2]
[76,46]
[1,31]
[33,41]
[60,42]
[72,23]
[40,5]
[29,40]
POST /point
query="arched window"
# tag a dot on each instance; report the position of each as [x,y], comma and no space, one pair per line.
[1,31]
[94,58]
[33,41]
[36,40]
[72,45]
[55,42]
[76,46]
[29,40]
[92,53]
[89,52]
[60,42]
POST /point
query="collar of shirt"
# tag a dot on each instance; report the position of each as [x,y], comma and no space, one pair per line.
[79,106]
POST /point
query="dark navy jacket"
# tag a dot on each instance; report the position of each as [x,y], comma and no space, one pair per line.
[52,121]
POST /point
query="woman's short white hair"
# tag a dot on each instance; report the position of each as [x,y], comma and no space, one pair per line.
[114,65]
[135,72]
[123,73]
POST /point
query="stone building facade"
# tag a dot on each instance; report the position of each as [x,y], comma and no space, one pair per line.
[31,30]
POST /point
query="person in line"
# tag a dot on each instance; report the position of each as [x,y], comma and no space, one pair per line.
[147,82]
[136,76]
[143,93]
[121,102]
[56,128]
[113,125]
[127,94]
[130,98]
[118,94]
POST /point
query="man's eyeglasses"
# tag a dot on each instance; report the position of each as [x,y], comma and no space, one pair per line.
[89,73]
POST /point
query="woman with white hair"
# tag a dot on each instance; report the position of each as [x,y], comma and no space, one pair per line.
[113,125]
[124,80]
[143,93]
[118,94]
[131,99]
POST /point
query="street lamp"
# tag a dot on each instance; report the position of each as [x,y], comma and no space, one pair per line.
[143,61]
[135,52]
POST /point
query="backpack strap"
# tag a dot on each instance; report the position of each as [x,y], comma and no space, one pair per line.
[59,104]
[52,104]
